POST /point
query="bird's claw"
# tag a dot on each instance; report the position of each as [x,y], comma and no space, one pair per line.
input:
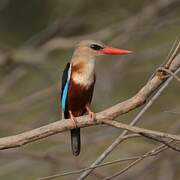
[91,114]
[73,119]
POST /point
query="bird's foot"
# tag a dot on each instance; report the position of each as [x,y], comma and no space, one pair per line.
[73,118]
[91,114]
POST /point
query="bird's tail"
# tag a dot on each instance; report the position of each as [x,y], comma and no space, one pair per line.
[75,141]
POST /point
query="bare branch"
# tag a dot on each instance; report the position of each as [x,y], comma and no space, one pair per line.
[110,113]
[98,166]
[152,152]
[135,120]
[161,141]
[141,131]
[169,72]
[64,125]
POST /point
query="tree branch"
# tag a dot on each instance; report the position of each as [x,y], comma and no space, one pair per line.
[64,125]
[173,53]
[110,113]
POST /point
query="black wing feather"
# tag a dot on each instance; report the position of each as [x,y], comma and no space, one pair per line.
[75,133]
[64,80]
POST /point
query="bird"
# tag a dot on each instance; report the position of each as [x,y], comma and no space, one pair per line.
[78,82]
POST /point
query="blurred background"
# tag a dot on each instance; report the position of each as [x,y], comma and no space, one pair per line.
[36,41]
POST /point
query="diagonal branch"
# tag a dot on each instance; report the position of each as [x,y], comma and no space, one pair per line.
[141,131]
[135,120]
[152,152]
[98,166]
[64,125]
[110,113]
[169,72]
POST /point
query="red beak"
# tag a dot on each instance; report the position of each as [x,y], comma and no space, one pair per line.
[114,51]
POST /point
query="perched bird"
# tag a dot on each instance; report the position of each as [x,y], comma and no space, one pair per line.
[78,84]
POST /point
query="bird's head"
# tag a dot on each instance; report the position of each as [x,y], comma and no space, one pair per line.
[91,49]
[83,59]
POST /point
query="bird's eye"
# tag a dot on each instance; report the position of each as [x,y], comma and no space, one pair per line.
[95,47]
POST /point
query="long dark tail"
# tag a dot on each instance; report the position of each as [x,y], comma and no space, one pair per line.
[75,141]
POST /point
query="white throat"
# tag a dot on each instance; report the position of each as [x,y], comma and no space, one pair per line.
[86,76]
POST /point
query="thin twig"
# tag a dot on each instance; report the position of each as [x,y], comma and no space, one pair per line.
[82,170]
[134,121]
[161,141]
[169,72]
[151,153]
[101,165]
[136,158]
[174,54]
[140,131]
[173,48]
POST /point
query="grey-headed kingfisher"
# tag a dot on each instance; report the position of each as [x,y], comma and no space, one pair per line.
[78,84]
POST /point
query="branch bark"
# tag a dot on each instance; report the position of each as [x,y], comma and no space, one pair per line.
[101,118]
[64,125]
[169,60]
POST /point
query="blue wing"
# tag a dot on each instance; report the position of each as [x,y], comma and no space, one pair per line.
[64,89]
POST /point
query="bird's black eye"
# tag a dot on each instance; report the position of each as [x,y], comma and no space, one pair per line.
[95,47]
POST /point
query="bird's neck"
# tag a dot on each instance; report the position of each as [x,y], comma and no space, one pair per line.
[83,71]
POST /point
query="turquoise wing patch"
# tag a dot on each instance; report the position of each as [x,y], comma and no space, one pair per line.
[65,91]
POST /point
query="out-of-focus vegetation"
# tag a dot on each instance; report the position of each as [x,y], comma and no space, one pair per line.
[32,62]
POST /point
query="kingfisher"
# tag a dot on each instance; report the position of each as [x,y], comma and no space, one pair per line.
[78,84]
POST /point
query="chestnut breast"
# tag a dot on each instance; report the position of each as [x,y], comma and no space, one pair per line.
[79,96]
[81,86]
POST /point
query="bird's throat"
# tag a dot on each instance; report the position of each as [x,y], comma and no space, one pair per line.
[83,73]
